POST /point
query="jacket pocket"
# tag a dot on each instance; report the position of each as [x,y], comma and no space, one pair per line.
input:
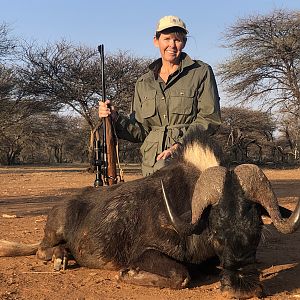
[181,102]
[149,149]
[148,104]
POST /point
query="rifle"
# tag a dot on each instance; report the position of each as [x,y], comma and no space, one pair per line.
[109,150]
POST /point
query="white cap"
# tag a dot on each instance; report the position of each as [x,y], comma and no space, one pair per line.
[170,21]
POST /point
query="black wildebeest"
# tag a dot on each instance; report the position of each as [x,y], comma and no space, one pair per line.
[152,229]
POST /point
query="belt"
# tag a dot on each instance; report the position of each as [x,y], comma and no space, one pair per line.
[170,132]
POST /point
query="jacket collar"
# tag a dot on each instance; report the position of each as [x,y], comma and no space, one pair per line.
[185,61]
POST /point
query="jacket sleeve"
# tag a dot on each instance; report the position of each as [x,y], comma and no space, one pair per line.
[134,127]
[208,105]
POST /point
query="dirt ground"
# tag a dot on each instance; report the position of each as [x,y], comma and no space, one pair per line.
[27,194]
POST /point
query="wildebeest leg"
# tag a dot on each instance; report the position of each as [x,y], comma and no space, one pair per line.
[53,245]
[156,269]
[60,257]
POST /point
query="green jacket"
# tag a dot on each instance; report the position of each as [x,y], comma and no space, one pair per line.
[162,113]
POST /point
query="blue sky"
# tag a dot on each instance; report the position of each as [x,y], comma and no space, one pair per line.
[130,25]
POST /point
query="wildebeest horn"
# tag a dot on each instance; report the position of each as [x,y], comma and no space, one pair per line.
[208,191]
[257,188]
[180,226]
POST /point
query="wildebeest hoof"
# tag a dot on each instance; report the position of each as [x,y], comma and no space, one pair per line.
[65,262]
[127,272]
[58,264]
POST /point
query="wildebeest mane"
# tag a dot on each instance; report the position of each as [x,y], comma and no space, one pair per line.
[200,149]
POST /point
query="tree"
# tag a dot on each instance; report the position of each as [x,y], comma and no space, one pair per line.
[16,109]
[55,138]
[7,76]
[68,77]
[265,61]
[122,71]
[289,130]
[245,132]
[16,116]
[7,43]
[15,130]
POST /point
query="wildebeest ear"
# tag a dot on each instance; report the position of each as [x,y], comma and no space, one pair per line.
[208,190]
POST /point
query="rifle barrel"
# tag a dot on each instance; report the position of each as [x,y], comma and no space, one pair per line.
[109,147]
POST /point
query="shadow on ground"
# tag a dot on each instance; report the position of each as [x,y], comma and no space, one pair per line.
[35,205]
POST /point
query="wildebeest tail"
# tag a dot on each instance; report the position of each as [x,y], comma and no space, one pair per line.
[17,249]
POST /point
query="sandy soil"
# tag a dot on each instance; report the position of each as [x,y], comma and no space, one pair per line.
[27,194]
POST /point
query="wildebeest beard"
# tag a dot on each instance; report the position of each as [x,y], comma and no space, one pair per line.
[235,226]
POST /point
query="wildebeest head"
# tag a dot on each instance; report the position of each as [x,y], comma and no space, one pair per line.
[235,198]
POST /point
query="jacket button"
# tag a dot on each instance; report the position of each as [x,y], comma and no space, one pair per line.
[181,93]
[164,116]
[162,98]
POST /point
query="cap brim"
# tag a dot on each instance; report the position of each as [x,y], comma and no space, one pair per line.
[167,27]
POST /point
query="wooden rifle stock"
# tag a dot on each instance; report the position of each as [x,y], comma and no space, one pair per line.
[109,137]
[110,176]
